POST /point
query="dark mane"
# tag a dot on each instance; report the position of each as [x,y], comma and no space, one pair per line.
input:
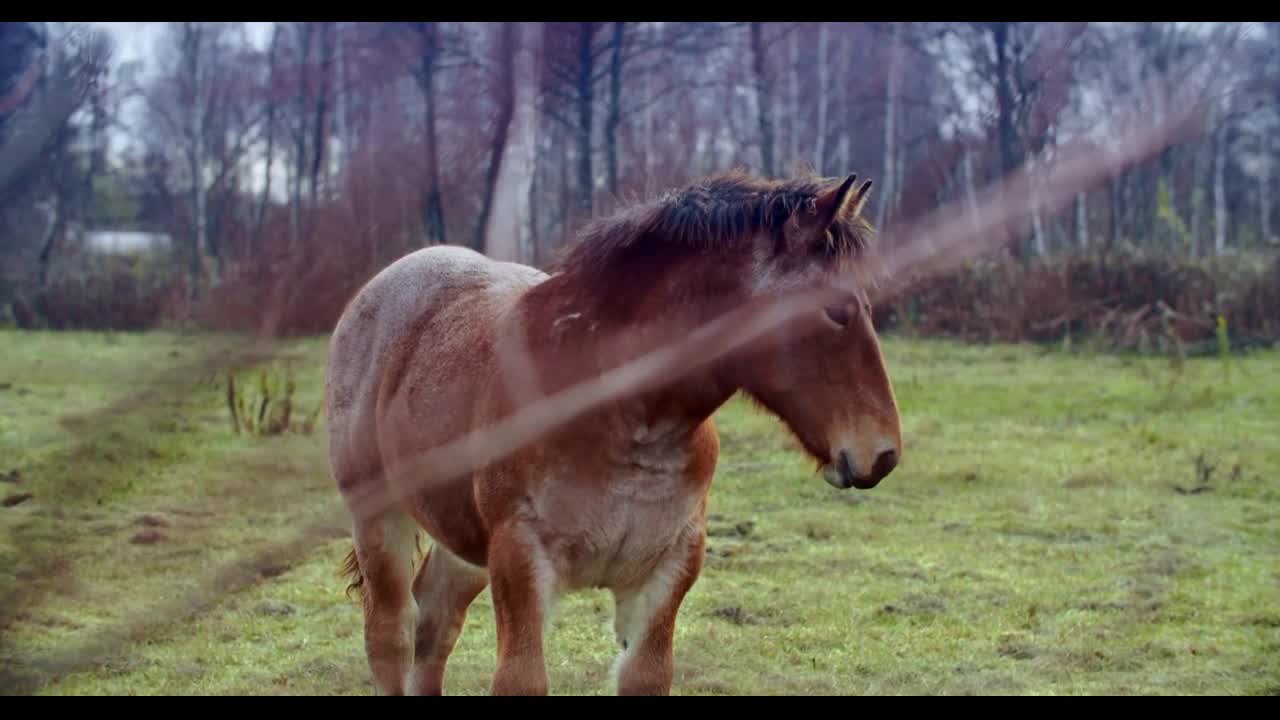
[720,213]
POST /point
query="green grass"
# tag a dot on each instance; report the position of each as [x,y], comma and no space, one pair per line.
[1050,531]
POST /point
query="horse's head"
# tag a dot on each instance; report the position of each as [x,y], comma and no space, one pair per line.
[825,377]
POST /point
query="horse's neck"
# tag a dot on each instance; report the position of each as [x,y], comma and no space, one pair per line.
[574,334]
[654,432]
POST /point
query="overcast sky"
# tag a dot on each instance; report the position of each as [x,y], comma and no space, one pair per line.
[136,40]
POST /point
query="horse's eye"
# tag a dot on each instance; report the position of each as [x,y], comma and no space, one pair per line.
[838,314]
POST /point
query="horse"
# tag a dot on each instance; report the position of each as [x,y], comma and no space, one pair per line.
[446,341]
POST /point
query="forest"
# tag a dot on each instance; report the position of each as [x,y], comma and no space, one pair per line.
[277,166]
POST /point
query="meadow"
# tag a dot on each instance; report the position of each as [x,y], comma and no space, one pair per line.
[1064,521]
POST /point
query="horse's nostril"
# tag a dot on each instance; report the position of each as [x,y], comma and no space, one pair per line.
[887,461]
[844,466]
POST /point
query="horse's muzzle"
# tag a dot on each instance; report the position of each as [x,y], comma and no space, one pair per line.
[842,474]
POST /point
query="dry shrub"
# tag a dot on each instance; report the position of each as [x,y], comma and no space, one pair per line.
[1127,300]
[282,283]
[97,292]
[270,408]
[287,290]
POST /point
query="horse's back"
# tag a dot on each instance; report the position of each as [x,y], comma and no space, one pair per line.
[424,315]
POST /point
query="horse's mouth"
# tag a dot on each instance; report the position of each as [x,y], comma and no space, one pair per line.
[840,475]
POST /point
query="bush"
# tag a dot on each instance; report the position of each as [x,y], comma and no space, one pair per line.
[97,292]
[271,408]
[1126,300]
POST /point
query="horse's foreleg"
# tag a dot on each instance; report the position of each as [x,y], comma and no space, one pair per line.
[645,620]
[444,589]
[523,586]
[385,548]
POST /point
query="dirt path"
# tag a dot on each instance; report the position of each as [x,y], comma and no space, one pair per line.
[45,565]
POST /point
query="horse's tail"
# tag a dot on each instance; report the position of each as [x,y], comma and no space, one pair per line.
[351,567]
[351,571]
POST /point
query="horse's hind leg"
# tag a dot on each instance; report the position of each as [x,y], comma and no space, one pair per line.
[385,548]
[444,589]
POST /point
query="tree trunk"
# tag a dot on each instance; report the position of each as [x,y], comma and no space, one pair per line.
[293,176]
[502,125]
[762,99]
[298,169]
[1197,194]
[271,133]
[1004,99]
[647,119]
[1082,221]
[1164,179]
[566,191]
[847,56]
[1005,115]
[53,228]
[793,77]
[890,93]
[523,163]
[1220,192]
[820,146]
[322,107]
[586,107]
[196,156]
[529,248]
[1128,222]
[341,119]
[1037,222]
[1037,231]
[433,205]
[1116,210]
[1264,188]
[615,107]
[899,175]
[97,153]
[970,191]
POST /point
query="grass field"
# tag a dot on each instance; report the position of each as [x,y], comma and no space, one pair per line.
[1062,523]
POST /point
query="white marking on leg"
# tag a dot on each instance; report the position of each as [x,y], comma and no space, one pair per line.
[545,578]
[389,549]
[635,608]
[400,537]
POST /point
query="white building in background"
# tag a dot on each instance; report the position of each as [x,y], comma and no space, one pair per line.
[126,242]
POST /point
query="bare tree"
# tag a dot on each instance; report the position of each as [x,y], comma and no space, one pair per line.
[887,188]
[763,98]
[46,79]
[193,48]
[513,227]
[614,118]
[505,92]
[269,98]
[430,50]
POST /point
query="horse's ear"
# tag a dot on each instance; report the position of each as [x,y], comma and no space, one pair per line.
[859,199]
[831,205]
[810,221]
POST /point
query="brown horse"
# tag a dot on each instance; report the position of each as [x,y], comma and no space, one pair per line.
[445,342]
